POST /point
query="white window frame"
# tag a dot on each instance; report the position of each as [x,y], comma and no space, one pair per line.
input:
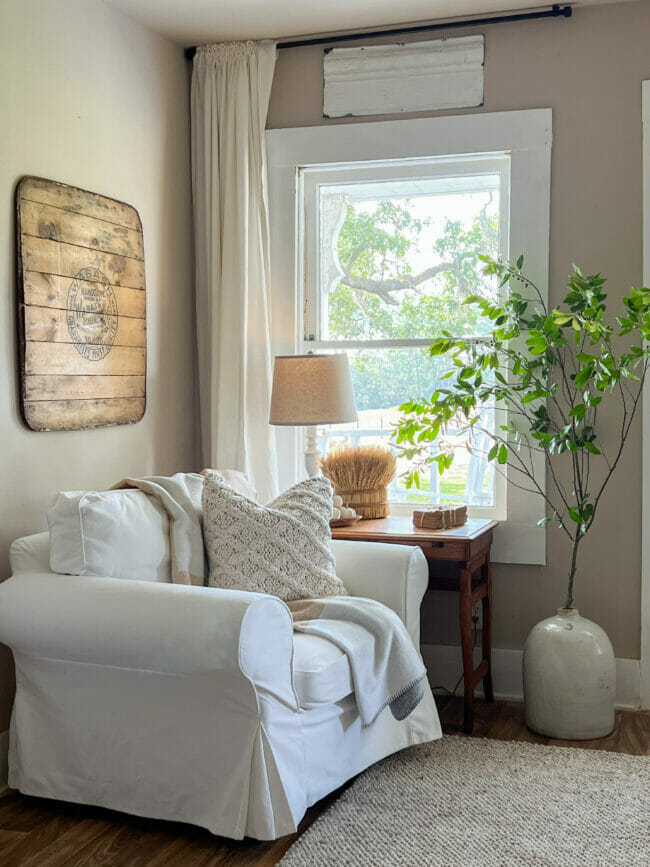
[526,135]
[308,184]
[644,663]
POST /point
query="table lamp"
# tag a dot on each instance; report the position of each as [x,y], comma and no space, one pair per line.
[311,390]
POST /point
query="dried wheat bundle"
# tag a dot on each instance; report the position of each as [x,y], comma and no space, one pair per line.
[361,475]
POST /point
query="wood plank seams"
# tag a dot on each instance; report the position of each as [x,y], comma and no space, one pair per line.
[89,374]
[81,214]
[74,386]
[89,204]
[44,256]
[90,343]
[52,325]
[120,397]
[32,305]
[73,277]
[42,289]
[121,360]
[83,247]
[87,399]
[55,224]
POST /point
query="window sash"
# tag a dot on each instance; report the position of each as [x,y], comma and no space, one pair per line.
[310,182]
[311,178]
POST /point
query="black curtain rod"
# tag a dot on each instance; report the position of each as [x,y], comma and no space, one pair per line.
[555,12]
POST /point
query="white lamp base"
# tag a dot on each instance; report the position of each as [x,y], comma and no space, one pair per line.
[312,455]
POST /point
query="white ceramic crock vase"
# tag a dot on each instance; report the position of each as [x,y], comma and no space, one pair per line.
[569,678]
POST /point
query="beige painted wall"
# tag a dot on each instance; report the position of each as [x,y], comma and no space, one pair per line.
[588,69]
[89,98]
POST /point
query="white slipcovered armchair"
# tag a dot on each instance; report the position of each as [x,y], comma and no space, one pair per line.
[191,703]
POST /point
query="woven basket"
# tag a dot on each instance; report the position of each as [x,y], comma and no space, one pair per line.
[367,504]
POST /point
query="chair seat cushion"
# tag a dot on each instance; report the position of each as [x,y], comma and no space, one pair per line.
[321,671]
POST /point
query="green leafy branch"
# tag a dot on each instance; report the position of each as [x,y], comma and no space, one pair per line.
[550,370]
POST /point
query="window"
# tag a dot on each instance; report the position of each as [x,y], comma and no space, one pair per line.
[419,173]
[390,254]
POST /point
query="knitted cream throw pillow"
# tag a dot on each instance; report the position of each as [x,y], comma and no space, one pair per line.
[282,549]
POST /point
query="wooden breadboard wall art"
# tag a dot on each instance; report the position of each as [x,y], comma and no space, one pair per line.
[81,306]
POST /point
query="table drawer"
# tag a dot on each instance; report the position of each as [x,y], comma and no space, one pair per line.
[445,550]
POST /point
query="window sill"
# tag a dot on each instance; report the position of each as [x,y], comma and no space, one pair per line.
[521,543]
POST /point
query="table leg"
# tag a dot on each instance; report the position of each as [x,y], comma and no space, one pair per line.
[486,577]
[466,645]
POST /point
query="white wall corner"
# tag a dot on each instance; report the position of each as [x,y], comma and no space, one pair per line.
[392,79]
[4,762]
[444,666]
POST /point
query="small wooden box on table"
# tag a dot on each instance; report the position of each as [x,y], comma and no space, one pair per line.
[469,547]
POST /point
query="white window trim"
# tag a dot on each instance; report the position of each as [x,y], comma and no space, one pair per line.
[526,135]
[645,526]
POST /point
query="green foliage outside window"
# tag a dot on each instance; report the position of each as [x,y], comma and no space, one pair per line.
[380,297]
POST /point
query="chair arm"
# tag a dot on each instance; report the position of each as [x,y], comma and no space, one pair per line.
[30,554]
[167,628]
[396,575]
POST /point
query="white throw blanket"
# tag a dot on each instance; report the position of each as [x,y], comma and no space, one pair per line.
[386,668]
[180,497]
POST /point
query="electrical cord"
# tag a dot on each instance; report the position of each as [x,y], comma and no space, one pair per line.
[444,689]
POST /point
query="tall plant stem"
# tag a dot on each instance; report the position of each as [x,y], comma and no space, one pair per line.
[572,574]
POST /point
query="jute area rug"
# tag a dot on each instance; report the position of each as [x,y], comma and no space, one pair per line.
[470,802]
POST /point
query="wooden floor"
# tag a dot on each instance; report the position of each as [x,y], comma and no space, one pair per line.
[43,833]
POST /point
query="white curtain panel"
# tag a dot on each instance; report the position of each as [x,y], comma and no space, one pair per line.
[231,85]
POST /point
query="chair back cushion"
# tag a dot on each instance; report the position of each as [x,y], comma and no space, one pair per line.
[114,534]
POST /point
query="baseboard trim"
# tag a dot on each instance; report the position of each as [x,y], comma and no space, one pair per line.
[4,762]
[628,683]
[444,666]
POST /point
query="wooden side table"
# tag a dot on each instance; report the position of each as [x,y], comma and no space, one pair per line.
[469,547]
